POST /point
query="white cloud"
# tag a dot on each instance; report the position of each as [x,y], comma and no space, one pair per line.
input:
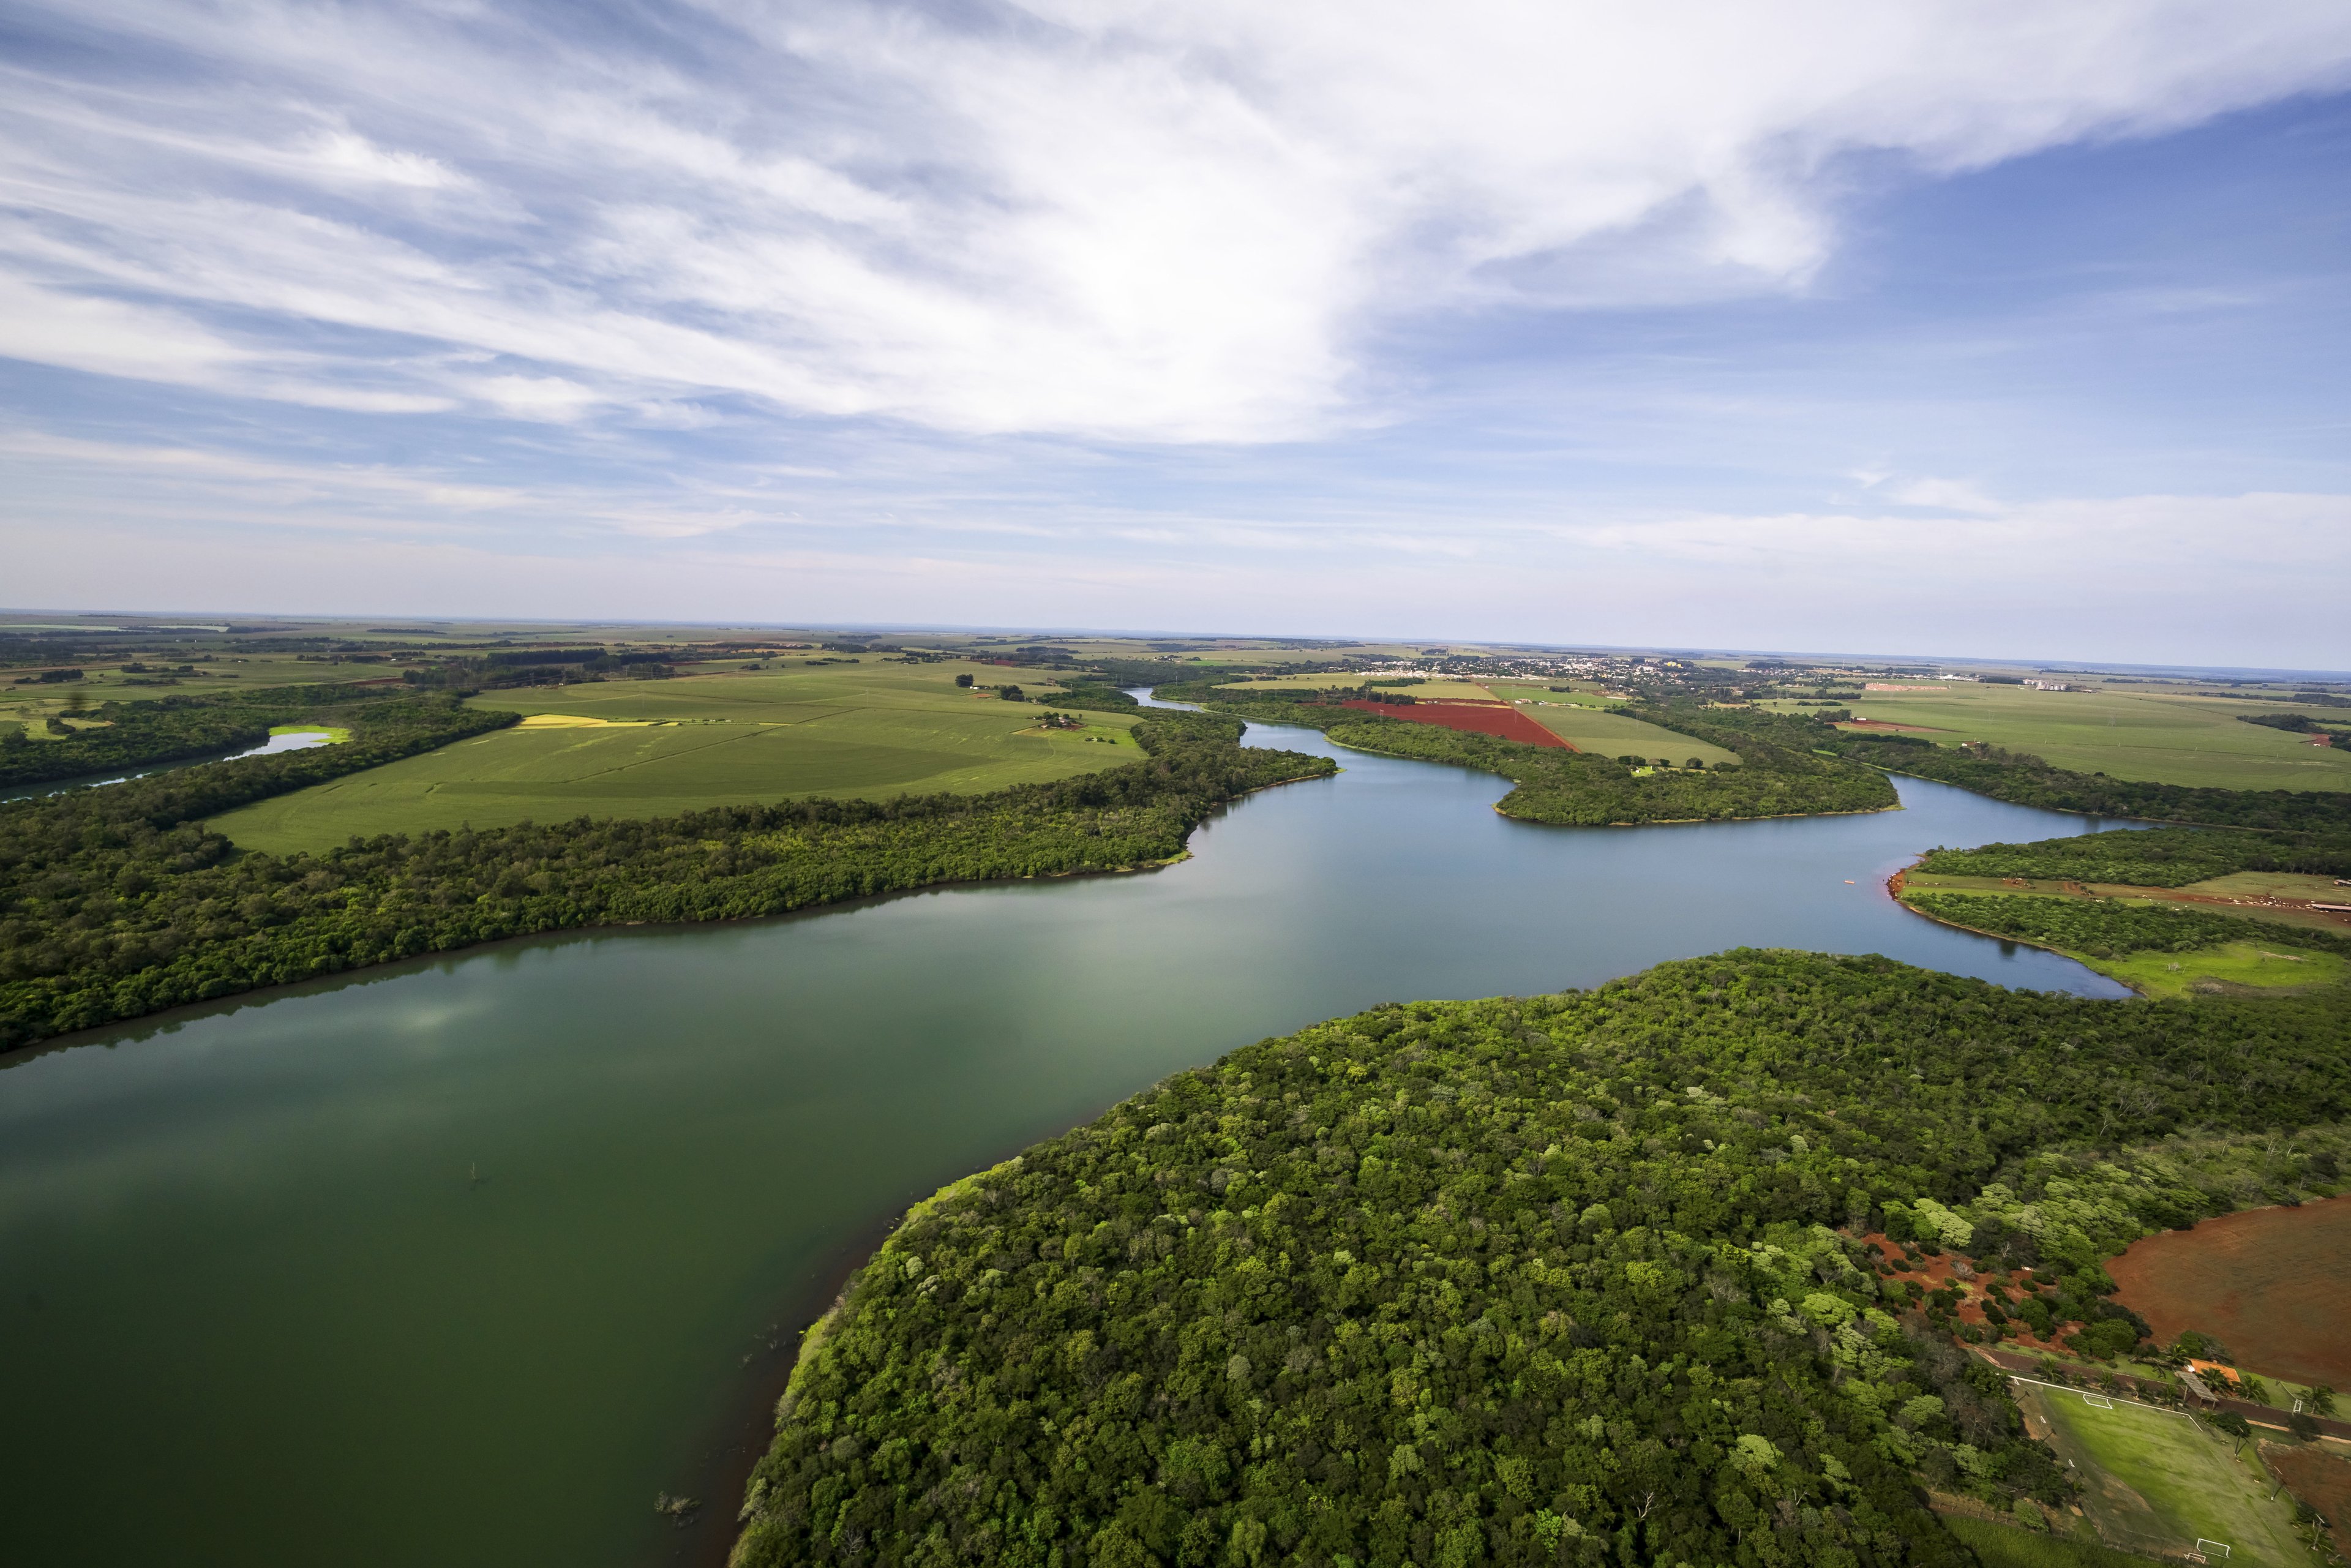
[1142,221]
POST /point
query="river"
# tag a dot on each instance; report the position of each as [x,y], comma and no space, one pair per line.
[461,1261]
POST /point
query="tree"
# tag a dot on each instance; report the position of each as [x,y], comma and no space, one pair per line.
[2303,1425]
[964,681]
[2236,1426]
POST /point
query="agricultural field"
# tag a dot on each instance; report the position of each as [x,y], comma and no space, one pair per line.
[2156,1481]
[2269,1283]
[1429,690]
[2161,737]
[656,748]
[1616,735]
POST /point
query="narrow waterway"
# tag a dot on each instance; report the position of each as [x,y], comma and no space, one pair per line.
[292,740]
[462,1262]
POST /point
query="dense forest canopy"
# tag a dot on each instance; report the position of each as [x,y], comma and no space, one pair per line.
[1780,773]
[117,902]
[1561,1278]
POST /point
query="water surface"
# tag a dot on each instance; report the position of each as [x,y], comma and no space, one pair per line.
[461,1262]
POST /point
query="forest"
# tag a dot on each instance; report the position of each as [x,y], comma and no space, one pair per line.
[2158,857]
[1780,773]
[2024,779]
[1561,1278]
[118,902]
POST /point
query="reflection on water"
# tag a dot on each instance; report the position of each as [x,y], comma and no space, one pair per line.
[462,1262]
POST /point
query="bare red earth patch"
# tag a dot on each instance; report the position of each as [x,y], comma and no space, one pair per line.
[2269,1283]
[1480,718]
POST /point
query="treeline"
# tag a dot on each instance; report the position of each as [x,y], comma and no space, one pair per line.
[170,729]
[2026,780]
[118,902]
[1779,773]
[1568,1279]
[2158,857]
[2110,928]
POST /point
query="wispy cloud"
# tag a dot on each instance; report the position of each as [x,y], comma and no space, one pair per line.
[1142,222]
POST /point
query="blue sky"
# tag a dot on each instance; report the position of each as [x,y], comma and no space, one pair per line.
[1942,329]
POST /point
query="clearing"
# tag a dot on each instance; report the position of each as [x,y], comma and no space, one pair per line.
[1496,719]
[658,748]
[2269,1283]
[2168,736]
[2231,967]
[2155,1482]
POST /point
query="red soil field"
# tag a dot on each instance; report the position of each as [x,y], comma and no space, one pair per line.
[2269,1283]
[2319,1479]
[1498,719]
[1887,724]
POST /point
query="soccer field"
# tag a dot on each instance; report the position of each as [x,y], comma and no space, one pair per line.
[658,748]
[2155,1482]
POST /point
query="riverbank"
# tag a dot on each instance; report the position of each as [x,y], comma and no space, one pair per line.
[684,1134]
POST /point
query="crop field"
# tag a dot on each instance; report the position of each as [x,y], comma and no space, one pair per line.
[656,748]
[1615,735]
[2269,1283]
[1440,691]
[2154,1481]
[1479,718]
[2161,737]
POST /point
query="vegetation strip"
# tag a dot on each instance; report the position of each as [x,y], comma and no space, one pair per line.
[118,902]
[1780,773]
[1528,1280]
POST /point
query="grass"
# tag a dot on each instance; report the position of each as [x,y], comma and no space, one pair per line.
[2156,1481]
[2014,1546]
[2164,737]
[656,748]
[2234,965]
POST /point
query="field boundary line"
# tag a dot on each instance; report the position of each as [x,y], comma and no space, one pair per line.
[2112,1400]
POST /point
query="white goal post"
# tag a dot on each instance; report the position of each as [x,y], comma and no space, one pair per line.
[2097,1402]
[2207,1548]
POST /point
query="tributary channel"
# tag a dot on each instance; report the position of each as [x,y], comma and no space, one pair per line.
[462,1262]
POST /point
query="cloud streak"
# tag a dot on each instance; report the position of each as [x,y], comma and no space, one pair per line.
[1141,222]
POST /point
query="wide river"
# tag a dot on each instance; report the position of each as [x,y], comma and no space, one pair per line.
[460,1263]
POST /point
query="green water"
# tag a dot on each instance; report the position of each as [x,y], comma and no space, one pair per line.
[462,1262]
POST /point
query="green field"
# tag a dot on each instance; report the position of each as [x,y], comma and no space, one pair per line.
[2014,1546]
[1615,735]
[2238,964]
[657,749]
[2155,1482]
[2167,737]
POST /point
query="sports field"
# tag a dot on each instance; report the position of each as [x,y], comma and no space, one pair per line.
[2164,737]
[657,749]
[2013,1546]
[2155,1482]
[2269,1283]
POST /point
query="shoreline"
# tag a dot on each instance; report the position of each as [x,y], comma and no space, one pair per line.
[360,973]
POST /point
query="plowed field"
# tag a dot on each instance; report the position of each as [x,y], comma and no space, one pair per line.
[1482,719]
[2269,1283]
